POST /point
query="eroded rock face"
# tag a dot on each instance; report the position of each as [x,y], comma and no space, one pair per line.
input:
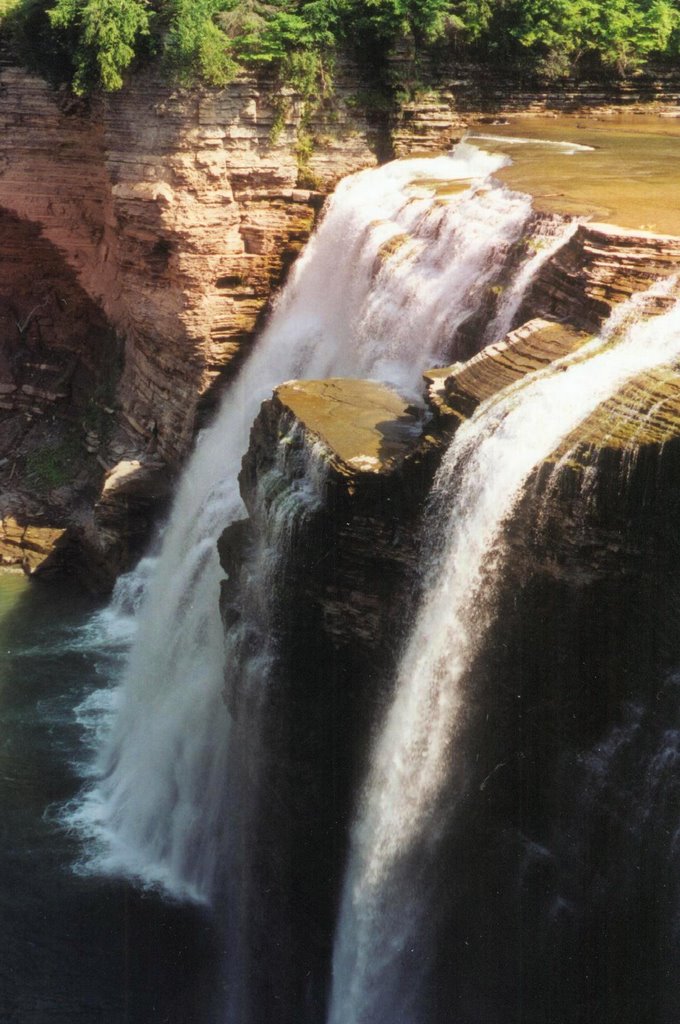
[379,464]
[134,492]
[178,213]
[600,266]
[146,231]
[456,391]
[609,495]
[32,548]
[586,548]
[59,363]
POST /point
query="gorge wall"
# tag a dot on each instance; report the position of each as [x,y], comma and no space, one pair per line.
[177,214]
[174,215]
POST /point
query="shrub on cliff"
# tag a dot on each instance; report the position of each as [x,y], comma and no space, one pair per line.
[107,33]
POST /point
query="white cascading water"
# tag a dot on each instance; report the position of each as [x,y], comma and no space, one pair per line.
[384,905]
[392,271]
[550,235]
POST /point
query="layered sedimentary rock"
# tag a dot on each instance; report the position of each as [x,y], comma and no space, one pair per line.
[609,493]
[600,266]
[59,362]
[426,125]
[145,231]
[455,392]
[178,211]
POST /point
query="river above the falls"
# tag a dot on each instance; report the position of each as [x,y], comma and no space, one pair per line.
[75,948]
[623,169]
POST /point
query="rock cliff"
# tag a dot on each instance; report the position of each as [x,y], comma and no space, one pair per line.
[378,463]
[332,634]
[591,539]
[144,233]
[172,215]
[600,266]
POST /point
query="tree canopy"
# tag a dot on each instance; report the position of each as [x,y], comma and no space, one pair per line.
[98,40]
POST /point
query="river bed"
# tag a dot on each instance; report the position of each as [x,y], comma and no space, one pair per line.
[622,169]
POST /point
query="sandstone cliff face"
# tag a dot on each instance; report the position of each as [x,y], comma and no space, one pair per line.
[178,214]
[172,215]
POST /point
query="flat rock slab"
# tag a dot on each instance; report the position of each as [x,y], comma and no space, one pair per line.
[367,426]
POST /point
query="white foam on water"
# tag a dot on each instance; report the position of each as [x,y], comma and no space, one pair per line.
[567,148]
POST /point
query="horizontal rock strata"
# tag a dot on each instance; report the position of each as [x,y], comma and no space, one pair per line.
[171,215]
[178,212]
[456,391]
[600,266]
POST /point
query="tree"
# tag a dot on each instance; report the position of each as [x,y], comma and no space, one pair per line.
[108,33]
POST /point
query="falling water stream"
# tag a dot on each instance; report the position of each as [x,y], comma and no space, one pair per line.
[413,267]
[395,846]
[403,257]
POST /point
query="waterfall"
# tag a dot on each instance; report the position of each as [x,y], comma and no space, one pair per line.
[397,264]
[550,235]
[381,944]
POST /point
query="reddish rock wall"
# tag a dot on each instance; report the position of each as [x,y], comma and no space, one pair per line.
[178,214]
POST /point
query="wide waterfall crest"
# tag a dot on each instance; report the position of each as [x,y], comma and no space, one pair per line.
[392,271]
[384,906]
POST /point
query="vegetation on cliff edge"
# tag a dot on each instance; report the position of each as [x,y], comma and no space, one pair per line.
[93,42]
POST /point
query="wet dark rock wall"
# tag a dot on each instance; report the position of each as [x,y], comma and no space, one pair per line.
[340,606]
[556,886]
[554,889]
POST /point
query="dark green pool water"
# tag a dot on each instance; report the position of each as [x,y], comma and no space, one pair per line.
[75,947]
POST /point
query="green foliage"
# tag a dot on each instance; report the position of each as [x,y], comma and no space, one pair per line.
[211,40]
[195,46]
[7,6]
[621,32]
[108,33]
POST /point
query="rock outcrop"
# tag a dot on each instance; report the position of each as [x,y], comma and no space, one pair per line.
[600,266]
[330,475]
[143,235]
[178,210]
[32,548]
[584,548]
[455,391]
[378,461]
